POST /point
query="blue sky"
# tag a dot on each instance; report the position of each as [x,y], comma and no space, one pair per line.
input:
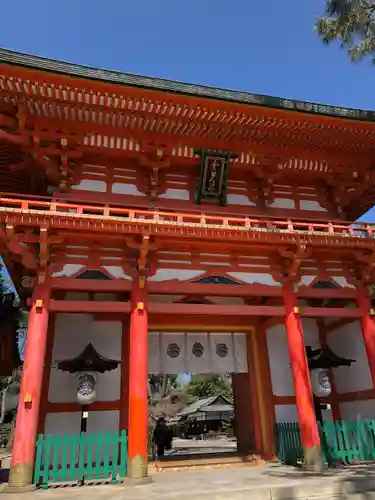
[267,47]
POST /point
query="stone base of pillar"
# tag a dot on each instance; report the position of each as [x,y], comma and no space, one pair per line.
[20,479]
[134,481]
[313,459]
[137,467]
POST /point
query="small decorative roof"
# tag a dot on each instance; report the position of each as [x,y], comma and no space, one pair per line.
[88,360]
[325,358]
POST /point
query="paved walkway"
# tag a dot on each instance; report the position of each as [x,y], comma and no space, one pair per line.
[272,482]
[201,446]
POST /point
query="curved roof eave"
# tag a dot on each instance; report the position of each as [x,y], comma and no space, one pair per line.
[164,85]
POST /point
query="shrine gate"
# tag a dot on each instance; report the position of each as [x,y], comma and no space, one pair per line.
[171,224]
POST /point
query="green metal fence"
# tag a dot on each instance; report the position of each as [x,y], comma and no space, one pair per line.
[288,443]
[80,457]
[342,442]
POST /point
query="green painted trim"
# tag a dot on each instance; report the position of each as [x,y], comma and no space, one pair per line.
[130,80]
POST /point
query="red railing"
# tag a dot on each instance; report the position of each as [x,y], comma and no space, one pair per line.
[24,206]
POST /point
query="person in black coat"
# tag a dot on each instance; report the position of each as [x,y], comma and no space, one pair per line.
[162,437]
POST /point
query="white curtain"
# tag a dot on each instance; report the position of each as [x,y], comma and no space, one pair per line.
[175,353]
[198,357]
[154,357]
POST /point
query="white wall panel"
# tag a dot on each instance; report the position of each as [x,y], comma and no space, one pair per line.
[347,342]
[72,333]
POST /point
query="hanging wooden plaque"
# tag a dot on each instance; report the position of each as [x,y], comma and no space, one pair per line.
[213,178]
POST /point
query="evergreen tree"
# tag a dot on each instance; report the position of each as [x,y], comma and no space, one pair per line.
[203,386]
[352,23]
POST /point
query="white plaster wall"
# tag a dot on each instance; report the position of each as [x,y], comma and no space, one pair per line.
[347,342]
[311,205]
[263,278]
[175,194]
[72,333]
[281,373]
[69,423]
[255,278]
[176,274]
[283,203]
[91,185]
[126,189]
[286,413]
[364,410]
[239,199]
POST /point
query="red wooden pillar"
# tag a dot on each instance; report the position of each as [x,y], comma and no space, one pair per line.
[25,434]
[368,328]
[302,384]
[124,396]
[138,373]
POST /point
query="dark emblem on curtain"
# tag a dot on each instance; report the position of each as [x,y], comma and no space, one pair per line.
[222,350]
[198,349]
[173,350]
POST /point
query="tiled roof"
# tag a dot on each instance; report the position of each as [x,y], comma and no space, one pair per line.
[202,404]
[127,79]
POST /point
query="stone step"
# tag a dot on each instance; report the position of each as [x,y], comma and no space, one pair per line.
[207,462]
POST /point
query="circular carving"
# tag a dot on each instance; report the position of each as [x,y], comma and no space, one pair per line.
[198,349]
[173,350]
[222,350]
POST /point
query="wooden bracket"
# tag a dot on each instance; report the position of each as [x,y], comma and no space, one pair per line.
[23,252]
[143,252]
[141,282]
[155,158]
[366,266]
[292,259]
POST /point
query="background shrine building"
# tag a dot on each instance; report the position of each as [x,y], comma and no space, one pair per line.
[139,214]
